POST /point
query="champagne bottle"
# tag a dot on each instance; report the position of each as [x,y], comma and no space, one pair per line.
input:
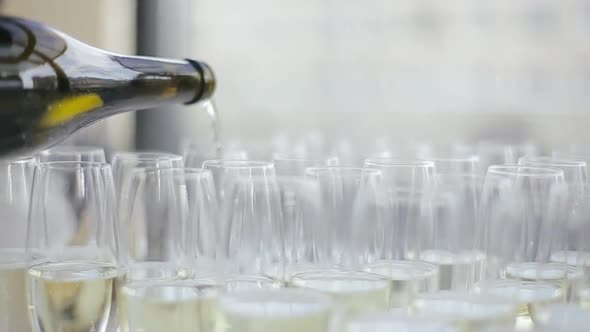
[52,84]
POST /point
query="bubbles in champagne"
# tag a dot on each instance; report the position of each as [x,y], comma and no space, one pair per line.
[180,306]
[71,296]
[409,278]
[284,310]
[352,292]
[531,296]
[457,271]
[13,299]
[467,311]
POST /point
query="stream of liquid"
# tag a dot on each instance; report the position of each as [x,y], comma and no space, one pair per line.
[213,113]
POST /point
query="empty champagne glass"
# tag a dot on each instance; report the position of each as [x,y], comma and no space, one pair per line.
[272,310]
[170,232]
[16,176]
[73,153]
[195,153]
[288,165]
[391,213]
[73,247]
[331,232]
[251,226]
[490,153]
[125,162]
[301,206]
[521,215]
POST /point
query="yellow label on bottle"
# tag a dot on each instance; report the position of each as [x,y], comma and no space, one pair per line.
[66,109]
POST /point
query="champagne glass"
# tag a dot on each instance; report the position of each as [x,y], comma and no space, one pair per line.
[73,153]
[251,227]
[170,232]
[288,165]
[520,211]
[564,317]
[125,162]
[466,311]
[575,177]
[387,322]
[16,176]
[73,247]
[271,310]
[451,245]
[195,153]
[329,233]
[390,215]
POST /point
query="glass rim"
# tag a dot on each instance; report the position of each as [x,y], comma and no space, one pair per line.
[270,294]
[550,161]
[19,160]
[237,164]
[372,318]
[72,148]
[70,164]
[146,155]
[512,169]
[278,156]
[190,170]
[347,169]
[328,274]
[394,162]
[467,159]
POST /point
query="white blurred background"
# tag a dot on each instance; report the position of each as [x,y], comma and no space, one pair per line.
[454,71]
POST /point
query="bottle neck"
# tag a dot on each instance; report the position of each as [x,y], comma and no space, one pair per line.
[135,82]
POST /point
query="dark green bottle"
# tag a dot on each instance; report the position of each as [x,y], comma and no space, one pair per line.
[52,84]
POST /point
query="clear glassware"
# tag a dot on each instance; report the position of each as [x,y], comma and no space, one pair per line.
[251,225]
[521,214]
[490,153]
[353,292]
[16,177]
[271,310]
[301,205]
[168,305]
[168,222]
[564,317]
[451,244]
[576,178]
[467,311]
[387,322]
[288,165]
[195,153]
[170,228]
[125,162]
[73,248]
[331,233]
[73,153]
[392,212]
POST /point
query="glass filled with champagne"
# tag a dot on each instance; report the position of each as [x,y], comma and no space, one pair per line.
[16,176]
[272,310]
[169,231]
[522,215]
[353,292]
[73,248]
